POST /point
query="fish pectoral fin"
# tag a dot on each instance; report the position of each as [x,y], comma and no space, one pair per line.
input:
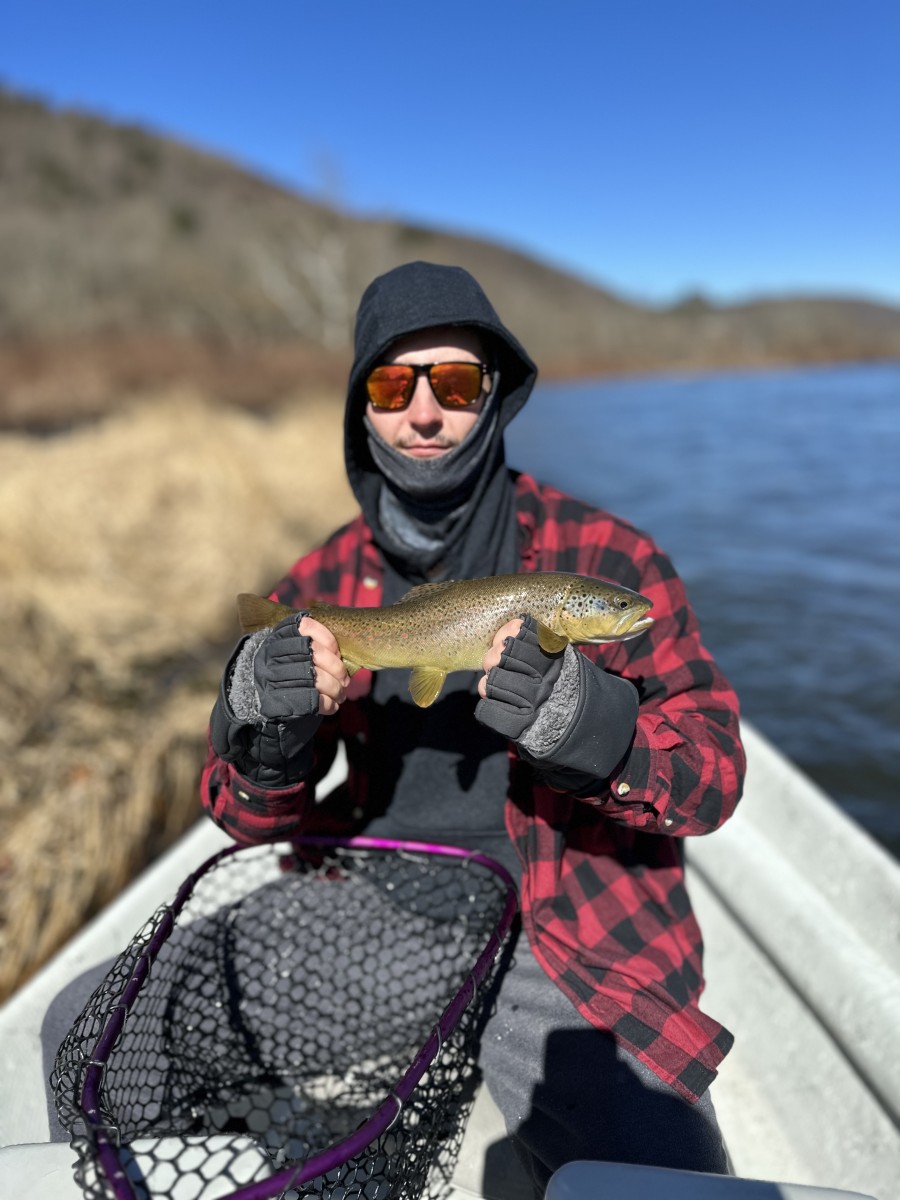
[550,642]
[256,612]
[425,685]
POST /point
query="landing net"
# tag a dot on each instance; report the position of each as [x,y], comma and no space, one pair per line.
[290,1026]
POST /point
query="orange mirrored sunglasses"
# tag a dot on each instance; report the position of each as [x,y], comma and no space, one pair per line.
[455,384]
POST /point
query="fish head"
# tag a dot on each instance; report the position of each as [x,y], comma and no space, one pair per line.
[596,611]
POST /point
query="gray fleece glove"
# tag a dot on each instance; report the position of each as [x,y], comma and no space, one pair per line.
[519,684]
[284,677]
[267,711]
[586,728]
[574,731]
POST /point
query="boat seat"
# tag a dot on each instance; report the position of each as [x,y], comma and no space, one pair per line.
[622,1181]
[44,1172]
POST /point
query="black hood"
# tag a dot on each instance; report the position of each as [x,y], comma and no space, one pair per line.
[421,295]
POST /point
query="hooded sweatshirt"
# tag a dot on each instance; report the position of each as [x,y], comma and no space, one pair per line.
[436,772]
[450,517]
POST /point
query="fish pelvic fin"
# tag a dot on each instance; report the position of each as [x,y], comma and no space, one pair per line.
[425,685]
[256,612]
[550,642]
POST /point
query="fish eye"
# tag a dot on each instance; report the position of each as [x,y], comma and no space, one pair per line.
[623,604]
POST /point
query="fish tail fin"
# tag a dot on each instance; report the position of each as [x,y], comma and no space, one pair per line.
[256,612]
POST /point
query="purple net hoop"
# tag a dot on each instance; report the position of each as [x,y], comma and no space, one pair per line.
[291,1025]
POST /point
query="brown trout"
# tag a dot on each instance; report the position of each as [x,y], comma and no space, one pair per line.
[441,627]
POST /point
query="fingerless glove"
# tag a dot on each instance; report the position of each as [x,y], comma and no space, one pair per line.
[586,728]
[520,683]
[267,710]
[569,718]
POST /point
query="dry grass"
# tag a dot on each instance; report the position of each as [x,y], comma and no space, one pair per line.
[122,546]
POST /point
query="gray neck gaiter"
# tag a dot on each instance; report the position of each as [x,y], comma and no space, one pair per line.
[425,498]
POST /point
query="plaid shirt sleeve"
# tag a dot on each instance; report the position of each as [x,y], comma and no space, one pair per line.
[338,572]
[684,772]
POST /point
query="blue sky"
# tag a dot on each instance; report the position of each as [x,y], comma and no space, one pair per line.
[739,147]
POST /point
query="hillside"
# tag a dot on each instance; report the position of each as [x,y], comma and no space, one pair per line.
[130,261]
[163,293]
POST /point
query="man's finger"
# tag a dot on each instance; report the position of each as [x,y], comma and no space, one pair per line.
[319,634]
[498,645]
[328,663]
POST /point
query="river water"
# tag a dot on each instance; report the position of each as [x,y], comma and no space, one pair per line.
[777,495]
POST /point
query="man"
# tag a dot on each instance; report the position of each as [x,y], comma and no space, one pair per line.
[579,772]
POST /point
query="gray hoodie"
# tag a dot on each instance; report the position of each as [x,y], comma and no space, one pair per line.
[450,517]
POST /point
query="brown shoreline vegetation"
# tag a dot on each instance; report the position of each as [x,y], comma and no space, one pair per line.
[122,545]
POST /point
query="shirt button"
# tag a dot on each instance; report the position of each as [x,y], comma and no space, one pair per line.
[668,821]
[623,789]
[243,796]
[370,582]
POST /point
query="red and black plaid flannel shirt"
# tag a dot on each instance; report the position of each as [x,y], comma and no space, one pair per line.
[603,895]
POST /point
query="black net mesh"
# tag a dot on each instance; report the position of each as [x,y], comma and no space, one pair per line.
[288,1027]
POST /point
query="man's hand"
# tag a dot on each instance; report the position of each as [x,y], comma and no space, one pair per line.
[332,679]
[274,693]
[519,677]
[298,672]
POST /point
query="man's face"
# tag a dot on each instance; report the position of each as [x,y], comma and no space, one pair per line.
[423,429]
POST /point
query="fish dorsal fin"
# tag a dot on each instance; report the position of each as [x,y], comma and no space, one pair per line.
[425,685]
[425,589]
[550,642]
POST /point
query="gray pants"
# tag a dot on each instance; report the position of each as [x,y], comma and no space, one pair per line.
[567,1091]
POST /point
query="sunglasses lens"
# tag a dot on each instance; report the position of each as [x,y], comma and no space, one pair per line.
[456,385]
[390,387]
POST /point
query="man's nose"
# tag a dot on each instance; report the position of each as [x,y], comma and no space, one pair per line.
[423,407]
